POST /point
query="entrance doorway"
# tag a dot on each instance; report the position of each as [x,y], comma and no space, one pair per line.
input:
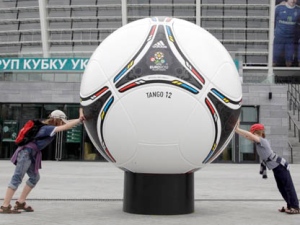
[239,149]
[66,146]
[75,144]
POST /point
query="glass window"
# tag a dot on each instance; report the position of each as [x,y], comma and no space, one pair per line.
[48,108]
[11,111]
[246,147]
[31,111]
[228,153]
[8,76]
[67,145]
[249,114]
[9,127]
[239,148]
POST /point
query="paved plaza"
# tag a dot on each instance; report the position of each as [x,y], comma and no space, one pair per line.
[92,192]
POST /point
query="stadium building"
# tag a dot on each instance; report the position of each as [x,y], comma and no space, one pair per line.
[46,44]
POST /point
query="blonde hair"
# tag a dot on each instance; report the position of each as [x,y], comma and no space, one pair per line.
[54,121]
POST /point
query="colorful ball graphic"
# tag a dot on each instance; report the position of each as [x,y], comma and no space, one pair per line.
[161,96]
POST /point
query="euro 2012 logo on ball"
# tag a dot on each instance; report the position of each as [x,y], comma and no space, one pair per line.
[162,96]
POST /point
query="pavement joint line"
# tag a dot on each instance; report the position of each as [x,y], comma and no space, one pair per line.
[118,200]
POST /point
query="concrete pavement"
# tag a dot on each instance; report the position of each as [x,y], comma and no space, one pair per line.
[92,192]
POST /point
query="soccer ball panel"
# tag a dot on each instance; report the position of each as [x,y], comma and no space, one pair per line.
[121,46]
[192,144]
[227,80]
[204,51]
[159,112]
[161,95]
[94,78]
[154,113]
[160,159]
[120,134]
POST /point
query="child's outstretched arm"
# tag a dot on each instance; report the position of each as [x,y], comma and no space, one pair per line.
[81,114]
[246,134]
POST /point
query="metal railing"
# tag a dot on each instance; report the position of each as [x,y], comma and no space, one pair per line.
[296,132]
[291,148]
[293,97]
[295,126]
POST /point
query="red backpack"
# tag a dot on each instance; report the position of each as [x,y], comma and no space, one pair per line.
[28,132]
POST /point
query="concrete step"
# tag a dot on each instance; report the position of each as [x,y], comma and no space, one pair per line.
[296,160]
[296,153]
[294,117]
[294,139]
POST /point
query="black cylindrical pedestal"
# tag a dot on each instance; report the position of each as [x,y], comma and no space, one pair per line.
[158,194]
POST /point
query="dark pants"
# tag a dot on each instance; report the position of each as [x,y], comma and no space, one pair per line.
[286,187]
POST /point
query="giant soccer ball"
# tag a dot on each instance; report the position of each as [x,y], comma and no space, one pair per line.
[162,96]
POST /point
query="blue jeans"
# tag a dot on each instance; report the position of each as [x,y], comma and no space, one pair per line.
[24,165]
[286,186]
